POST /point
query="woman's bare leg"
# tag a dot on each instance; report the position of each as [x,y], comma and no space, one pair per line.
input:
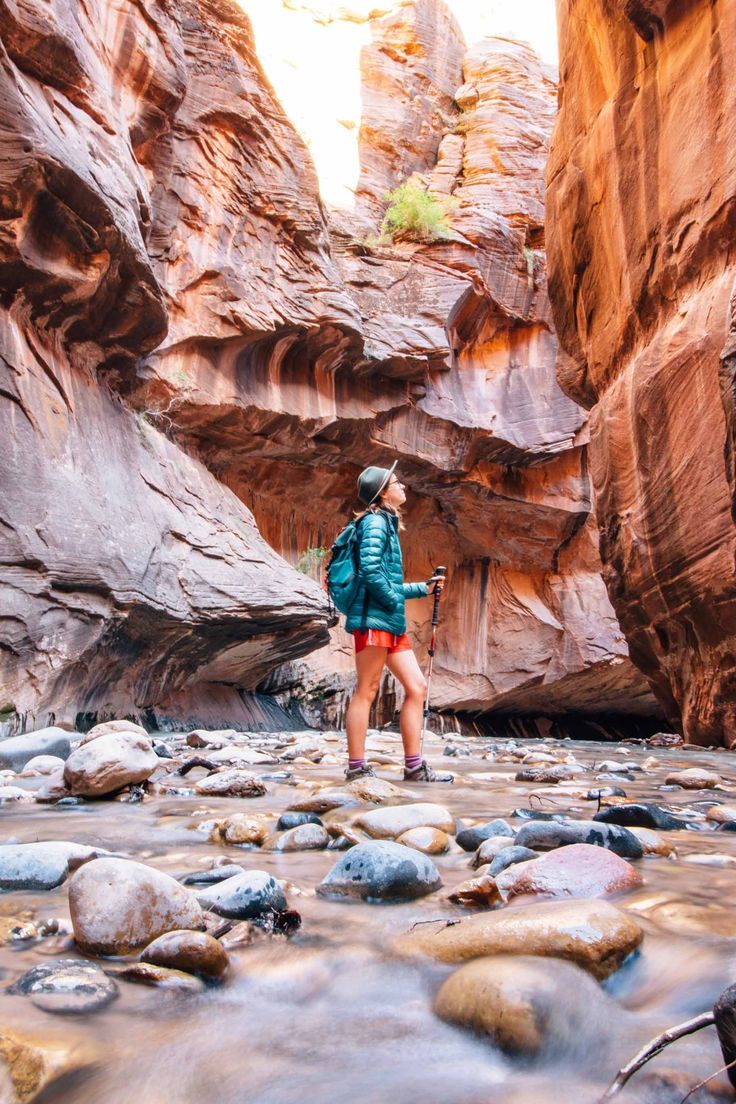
[404,666]
[369,664]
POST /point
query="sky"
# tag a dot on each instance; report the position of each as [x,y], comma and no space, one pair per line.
[310,50]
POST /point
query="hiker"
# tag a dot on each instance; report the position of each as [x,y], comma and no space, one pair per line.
[376,617]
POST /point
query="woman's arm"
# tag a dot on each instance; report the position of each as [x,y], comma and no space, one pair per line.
[416,590]
[371,557]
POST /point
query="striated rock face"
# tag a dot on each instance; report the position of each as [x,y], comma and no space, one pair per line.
[640,212]
[193,346]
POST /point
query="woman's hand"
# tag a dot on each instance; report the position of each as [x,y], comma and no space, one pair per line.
[438,581]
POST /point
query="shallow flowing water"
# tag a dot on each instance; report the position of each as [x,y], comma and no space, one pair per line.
[332,1015]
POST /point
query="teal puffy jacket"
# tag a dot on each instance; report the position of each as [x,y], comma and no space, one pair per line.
[381,570]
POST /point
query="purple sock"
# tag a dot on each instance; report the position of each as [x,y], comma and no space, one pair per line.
[354,764]
[411,762]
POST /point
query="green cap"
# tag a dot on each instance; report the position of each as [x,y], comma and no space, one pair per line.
[372,481]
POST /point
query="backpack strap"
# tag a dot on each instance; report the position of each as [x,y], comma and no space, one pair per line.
[364,614]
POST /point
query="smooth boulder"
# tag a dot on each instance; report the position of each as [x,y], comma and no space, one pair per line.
[67,985]
[640,815]
[593,934]
[248,896]
[546,835]
[526,1004]
[694,778]
[470,839]
[391,822]
[41,865]
[431,841]
[575,871]
[194,952]
[108,763]
[106,727]
[118,906]
[17,751]
[381,870]
[305,837]
[231,783]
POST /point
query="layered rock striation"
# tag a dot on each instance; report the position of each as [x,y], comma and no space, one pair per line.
[194,346]
[640,212]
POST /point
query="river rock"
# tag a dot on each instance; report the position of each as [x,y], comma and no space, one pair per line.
[28,1064]
[694,778]
[653,843]
[510,856]
[377,790]
[41,865]
[526,1004]
[11,794]
[53,788]
[394,821]
[381,870]
[241,828]
[231,783]
[579,870]
[67,985]
[479,892]
[722,814]
[431,841]
[161,977]
[293,820]
[43,765]
[213,875]
[248,896]
[546,835]
[470,839]
[241,757]
[194,952]
[593,934]
[106,727]
[560,772]
[640,815]
[323,801]
[17,751]
[118,906]
[490,848]
[305,837]
[109,762]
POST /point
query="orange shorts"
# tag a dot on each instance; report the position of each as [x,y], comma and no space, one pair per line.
[378,638]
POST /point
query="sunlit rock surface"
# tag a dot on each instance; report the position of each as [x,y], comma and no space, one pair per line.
[640,208]
[193,336]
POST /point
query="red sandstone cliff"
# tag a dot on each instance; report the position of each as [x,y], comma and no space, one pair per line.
[641,208]
[190,332]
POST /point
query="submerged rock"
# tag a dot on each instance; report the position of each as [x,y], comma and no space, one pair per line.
[470,839]
[118,906]
[476,893]
[377,790]
[305,837]
[394,821]
[161,977]
[510,856]
[526,1004]
[593,934]
[560,772]
[546,835]
[381,870]
[575,871]
[41,865]
[67,985]
[640,815]
[194,952]
[247,896]
[231,783]
[28,1065]
[17,751]
[110,761]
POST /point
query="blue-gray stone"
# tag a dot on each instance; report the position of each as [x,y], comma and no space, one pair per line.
[67,985]
[546,835]
[381,870]
[295,820]
[509,857]
[470,839]
[248,896]
[41,865]
[16,751]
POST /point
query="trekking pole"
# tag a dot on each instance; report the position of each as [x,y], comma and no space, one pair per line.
[435,621]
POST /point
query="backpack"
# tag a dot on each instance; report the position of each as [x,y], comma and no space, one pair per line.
[342,581]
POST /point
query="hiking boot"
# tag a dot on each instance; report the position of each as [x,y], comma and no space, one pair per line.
[424,773]
[359,772]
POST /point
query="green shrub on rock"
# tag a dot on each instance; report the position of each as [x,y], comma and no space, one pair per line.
[414,214]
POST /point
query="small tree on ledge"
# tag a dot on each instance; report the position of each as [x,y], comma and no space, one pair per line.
[414,214]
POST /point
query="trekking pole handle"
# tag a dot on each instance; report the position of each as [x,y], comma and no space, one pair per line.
[437,595]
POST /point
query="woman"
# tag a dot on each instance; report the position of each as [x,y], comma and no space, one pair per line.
[377,620]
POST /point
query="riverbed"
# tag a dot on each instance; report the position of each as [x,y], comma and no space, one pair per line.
[333,1014]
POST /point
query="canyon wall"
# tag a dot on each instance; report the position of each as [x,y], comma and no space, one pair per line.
[200,358]
[641,205]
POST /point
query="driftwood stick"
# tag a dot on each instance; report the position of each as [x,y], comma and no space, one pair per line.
[653,1047]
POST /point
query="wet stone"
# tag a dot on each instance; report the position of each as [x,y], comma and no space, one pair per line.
[545,836]
[16,751]
[391,822]
[602,792]
[510,856]
[294,820]
[67,985]
[694,778]
[381,870]
[161,977]
[105,764]
[481,892]
[305,837]
[214,875]
[640,815]
[194,952]
[431,841]
[41,865]
[245,897]
[575,871]
[231,783]
[470,839]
